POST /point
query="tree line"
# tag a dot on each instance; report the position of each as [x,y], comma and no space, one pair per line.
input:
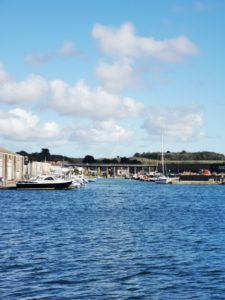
[182,156]
[137,158]
[45,155]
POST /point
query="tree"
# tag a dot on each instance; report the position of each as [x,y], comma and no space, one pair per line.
[22,152]
[45,151]
[124,160]
[44,154]
[89,159]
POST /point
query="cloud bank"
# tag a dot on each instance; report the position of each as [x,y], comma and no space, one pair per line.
[21,125]
[126,49]
[123,42]
[99,109]
[102,132]
[179,123]
[80,100]
[77,100]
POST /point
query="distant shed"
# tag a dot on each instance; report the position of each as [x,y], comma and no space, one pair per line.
[11,165]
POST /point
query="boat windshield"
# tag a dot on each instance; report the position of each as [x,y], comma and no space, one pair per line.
[49,178]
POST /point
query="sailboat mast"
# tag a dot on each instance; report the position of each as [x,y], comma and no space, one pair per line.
[163,169]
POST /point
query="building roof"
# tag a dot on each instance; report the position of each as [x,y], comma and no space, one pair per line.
[3,150]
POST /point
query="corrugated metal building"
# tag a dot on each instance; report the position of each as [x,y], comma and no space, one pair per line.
[36,168]
[11,165]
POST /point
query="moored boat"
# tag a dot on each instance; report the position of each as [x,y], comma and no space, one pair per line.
[162,178]
[44,182]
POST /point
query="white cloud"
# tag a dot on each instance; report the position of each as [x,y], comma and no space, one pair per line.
[77,100]
[30,89]
[123,42]
[80,100]
[128,51]
[38,59]
[114,77]
[20,125]
[67,50]
[181,123]
[100,133]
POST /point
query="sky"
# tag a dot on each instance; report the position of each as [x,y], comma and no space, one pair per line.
[110,78]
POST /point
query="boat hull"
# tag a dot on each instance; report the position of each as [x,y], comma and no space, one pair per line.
[43,185]
[163,180]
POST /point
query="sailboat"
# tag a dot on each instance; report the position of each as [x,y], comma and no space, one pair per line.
[163,179]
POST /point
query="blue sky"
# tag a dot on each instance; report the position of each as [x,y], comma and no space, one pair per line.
[106,78]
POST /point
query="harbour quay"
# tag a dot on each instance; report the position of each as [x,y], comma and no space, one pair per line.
[214,169]
[187,173]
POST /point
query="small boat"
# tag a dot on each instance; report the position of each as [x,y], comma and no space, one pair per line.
[92,179]
[162,178]
[75,184]
[81,179]
[44,182]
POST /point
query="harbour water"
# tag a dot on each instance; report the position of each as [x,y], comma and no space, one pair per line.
[113,239]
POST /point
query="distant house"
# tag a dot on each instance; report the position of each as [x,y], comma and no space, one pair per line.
[11,165]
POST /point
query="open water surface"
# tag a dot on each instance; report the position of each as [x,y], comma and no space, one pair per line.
[113,239]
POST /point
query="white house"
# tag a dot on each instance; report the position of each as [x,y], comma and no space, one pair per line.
[11,165]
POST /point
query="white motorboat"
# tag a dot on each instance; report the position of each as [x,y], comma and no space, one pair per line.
[44,182]
[75,184]
[163,180]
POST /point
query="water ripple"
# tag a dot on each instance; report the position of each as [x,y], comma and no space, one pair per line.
[114,239]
